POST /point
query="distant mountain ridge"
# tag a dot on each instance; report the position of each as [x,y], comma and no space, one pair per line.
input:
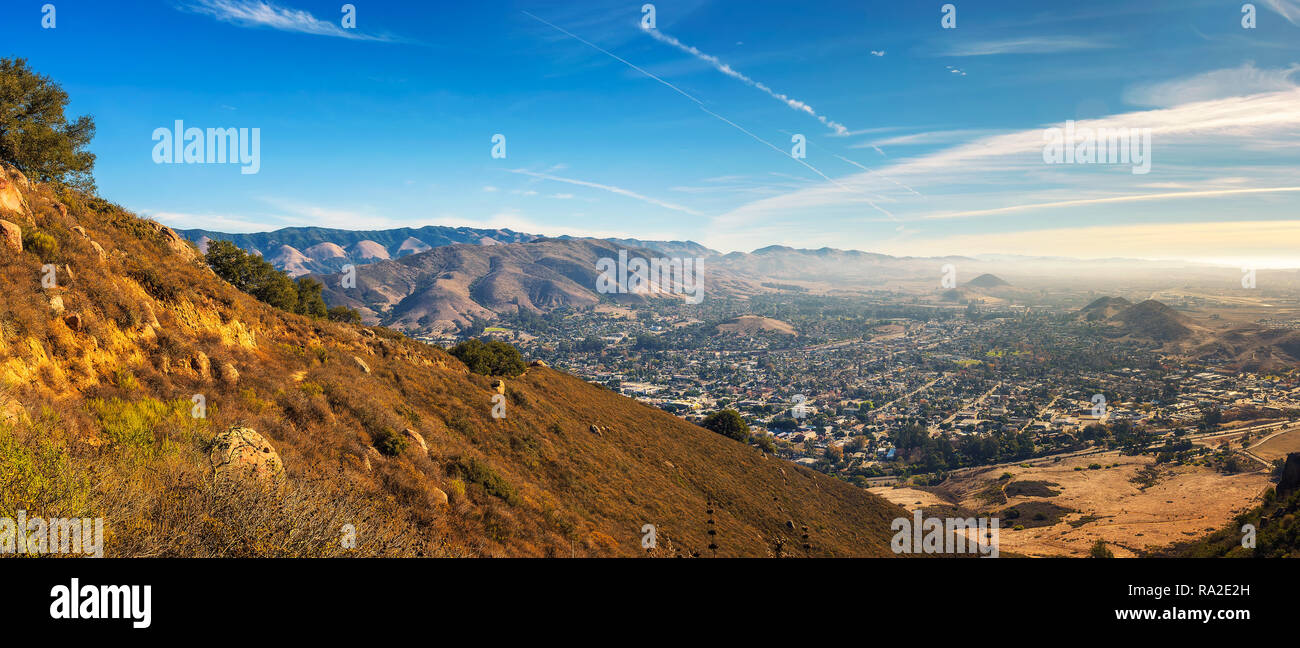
[303,250]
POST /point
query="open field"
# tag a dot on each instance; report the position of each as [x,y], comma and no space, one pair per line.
[1278,446]
[1183,502]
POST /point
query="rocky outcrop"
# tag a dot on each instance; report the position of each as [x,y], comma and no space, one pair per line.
[361,364]
[1290,480]
[173,241]
[201,364]
[99,249]
[12,184]
[241,453]
[538,363]
[11,235]
[499,386]
[56,305]
[73,321]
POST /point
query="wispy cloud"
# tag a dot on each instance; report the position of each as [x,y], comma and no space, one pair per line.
[610,188]
[1215,84]
[260,13]
[1289,9]
[840,129]
[1026,45]
[1003,176]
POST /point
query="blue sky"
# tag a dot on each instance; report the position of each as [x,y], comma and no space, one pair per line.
[920,139]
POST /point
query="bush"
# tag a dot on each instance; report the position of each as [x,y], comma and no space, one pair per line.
[44,246]
[479,472]
[1099,550]
[391,443]
[343,314]
[493,358]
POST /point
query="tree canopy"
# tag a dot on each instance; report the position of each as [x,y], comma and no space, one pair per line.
[257,277]
[728,423]
[36,136]
[493,358]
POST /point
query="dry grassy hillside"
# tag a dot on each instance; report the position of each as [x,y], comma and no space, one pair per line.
[98,379]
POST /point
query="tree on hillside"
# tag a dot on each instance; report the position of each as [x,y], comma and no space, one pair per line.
[257,277]
[35,136]
[344,314]
[728,423]
[310,301]
[493,358]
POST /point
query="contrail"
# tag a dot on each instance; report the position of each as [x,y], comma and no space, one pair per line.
[718,65]
[610,188]
[716,115]
[613,56]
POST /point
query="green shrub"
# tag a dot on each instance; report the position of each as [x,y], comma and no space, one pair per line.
[40,478]
[479,472]
[1100,550]
[44,246]
[140,424]
[344,314]
[391,443]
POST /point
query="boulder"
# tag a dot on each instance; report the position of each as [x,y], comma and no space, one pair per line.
[437,496]
[12,182]
[201,364]
[56,305]
[242,453]
[99,249]
[361,364]
[538,363]
[595,429]
[228,373]
[499,386]
[73,320]
[415,436]
[12,235]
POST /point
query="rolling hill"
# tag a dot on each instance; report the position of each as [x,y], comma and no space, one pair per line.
[448,287]
[124,385]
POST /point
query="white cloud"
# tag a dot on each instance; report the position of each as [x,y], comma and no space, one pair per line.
[214,222]
[260,13]
[1215,84]
[1027,45]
